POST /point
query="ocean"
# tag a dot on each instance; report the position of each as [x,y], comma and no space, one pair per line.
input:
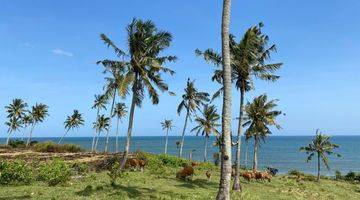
[281,152]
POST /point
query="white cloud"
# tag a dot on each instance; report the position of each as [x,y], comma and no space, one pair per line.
[62,52]
[27,44]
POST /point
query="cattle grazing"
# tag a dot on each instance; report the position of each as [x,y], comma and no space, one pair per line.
[208,174]
[135,164]
[186,172]
[262,176]
[272,171]
[248,175]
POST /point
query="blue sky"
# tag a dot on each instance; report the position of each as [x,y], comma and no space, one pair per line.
[48,51]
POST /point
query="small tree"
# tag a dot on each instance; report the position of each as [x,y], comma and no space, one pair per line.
[101,124]
[322,147]
[37,115]
[72,122]
[207,124]
[167,126]
[16,111]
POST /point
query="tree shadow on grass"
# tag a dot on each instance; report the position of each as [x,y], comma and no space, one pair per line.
[197,183]
[89,190]
[131,191]
[16,197]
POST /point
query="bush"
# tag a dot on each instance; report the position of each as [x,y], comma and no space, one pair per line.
[15,172]
[17,144]
[57,148]
[338,175]
[296,173]
[54,172]
[80,168]
[172,161]
[350,176]
[116,172]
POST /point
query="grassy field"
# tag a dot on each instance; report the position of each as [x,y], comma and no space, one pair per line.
[147,185]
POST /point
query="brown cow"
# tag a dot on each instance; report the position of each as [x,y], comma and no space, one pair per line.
[185,173]
[135,164]
[208,174]
[263,176]
[248,175]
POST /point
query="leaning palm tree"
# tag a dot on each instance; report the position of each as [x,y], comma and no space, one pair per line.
[322,146]
[26,121]
[72,122]
[225,176]
[102,123]
[16,111]
[143,66]
[38,114]
[167,126]
[207,125]
[259,117]
[192,99]
[248,61]
[120,112]
[99,104]
[13,125]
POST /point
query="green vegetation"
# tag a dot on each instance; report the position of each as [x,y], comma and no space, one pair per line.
[59,180]
[57,148]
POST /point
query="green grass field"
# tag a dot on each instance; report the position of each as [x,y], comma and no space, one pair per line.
[146,185]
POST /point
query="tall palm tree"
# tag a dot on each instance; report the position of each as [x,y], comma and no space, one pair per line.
[167,126]
[14,124]
[260,116]
[322,146]
[99,104]
[26,121]
[248,61]
[72,122]
[143,66]
[225,177]
[102,123]
[120,112]
[38,114]
[16,111]
[192,99]
[207,125]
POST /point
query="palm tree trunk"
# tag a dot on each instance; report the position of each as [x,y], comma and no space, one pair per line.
[93,141]
[129,131]
[8,140]
[246,154]
[107,132]
[97,140]
[166,140]
[225,177]
[318,167]
[117,136]
[30,135]
[205,147]
[237,186]
[255,164]
[63,137]
[183,133]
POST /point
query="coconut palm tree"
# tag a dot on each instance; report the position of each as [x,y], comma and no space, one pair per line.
[99,104]
[322,147]
[167,126]
[207,125]
[26,121]
[38,114]
[120,112]
[248,61]
[102,123]
[225,177]
[260,116]
[16,111]
[192,99]
[14,124]
[72,122]
[143,66]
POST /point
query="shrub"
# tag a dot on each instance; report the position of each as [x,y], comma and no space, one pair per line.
[80,168]
[15,172]
[338,175]
[296,173]
[17,144]
[172,161]
[116,172]
[54,172]
[57,148]
[107,163]
[350,176]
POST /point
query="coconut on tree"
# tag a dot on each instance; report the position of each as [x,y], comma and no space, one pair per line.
[166,126]
[321,147]
[99,104]
[143,66]
[72,122]
[192,99]
[248,61]
[16,111]
[119,112]
[207,125]
[260,116]
[102,124]
[37,115]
